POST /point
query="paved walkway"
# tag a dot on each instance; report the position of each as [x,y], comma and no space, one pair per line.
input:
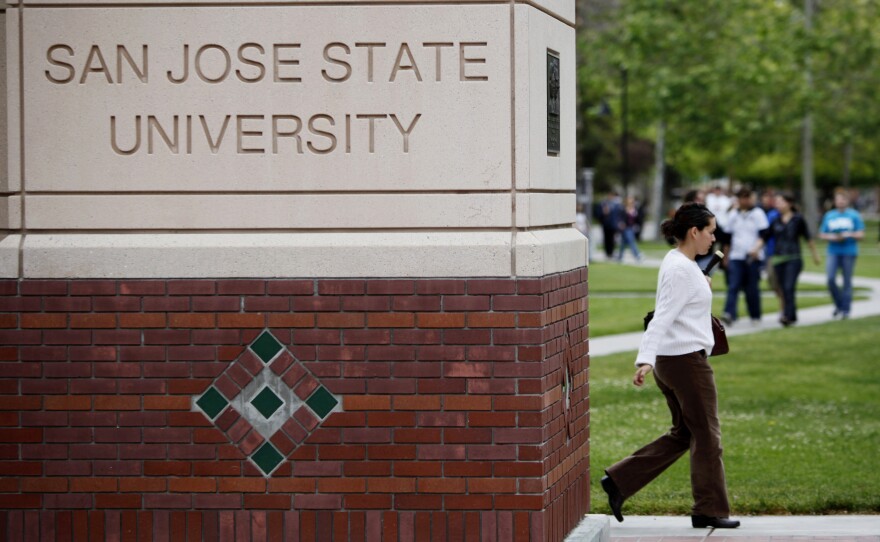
[625,342]
[754,529]
[758,528]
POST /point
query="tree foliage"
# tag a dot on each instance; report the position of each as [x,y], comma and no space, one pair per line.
[729,78]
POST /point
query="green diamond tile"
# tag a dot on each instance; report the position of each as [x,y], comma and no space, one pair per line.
[322,402]
[266,346]
[267,458]
[212,402]
[267,402]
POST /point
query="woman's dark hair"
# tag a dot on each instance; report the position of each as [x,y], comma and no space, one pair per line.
[689,215]
[789,197]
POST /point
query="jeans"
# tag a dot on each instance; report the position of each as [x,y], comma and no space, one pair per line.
[787,276]
[688,383]
[744,275]
[628,239]
[846,264]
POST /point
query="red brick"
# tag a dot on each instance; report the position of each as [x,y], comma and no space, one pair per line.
[68,403]
[341,320]
[417,336]
[492,485]
[44,485]
[441,485]
[9,321]
[441,320]
[43,287]
[391,320]
[142,485]
[93,485]
[21,435]
[518,502]
[241,320]
[418,502]
[467,435]
[368,402]
[491,320]
[341,287]
[491,419]
[467,303]
[422,303]
[468,502]
[391,419]
[316,304]
[142,353]
[530,319]
[117,402]
[390,287]
[142,321]
[291,287]
[317,502]
[242,485]
[416,402]
[368,502]
[191,287]
[93,353]
[241,287]
[118,501]
[21,337]
[192,485]
[167,468]
[492,353]
[44,321]
[251,442]
[491,286]
[92,321]
[267,502]
[373,303]
[20,501]
[8,287]
[168,502]
[116,304]
[216,303]
[294,320]
[391,353]
[467,402]
[190,320]
[217,468]
[267,304]
[441,353]
[117,337]
[166,304]
[142,287]
[292,485]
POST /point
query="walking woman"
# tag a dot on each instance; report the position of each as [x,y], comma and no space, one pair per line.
[675,347]
[788,229]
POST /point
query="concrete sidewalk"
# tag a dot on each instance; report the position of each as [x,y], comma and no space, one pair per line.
[600,528]
[625,342]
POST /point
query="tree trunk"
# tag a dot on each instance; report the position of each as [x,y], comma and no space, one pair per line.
[657,214]
[808,181]
[847,161]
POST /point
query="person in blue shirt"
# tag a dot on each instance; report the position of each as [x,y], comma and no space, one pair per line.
[842,227]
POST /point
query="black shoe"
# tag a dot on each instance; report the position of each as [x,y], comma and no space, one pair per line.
[615,499]
[717,523]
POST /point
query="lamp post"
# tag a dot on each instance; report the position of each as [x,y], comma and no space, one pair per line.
[624,136]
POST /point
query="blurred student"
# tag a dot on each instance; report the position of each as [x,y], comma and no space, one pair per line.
[842,227]
[786,231]
[629,216]
[745,255]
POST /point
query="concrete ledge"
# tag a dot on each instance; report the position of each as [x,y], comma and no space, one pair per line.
[544,252]
[243,255]
[593,528]
[9,256]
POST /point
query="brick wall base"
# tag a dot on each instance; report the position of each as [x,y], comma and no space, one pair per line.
[412,409]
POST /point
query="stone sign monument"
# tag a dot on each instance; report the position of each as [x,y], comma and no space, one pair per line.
[291,271]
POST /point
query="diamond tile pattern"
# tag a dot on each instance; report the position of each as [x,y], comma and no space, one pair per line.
[212,402]
[283,402]
[266,346]
[267,402]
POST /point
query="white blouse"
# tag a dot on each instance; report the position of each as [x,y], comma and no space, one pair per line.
[682,320]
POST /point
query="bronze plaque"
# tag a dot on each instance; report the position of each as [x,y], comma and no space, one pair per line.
[552,103]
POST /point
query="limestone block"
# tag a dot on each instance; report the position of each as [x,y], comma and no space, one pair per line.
[544,252]
[10,178]
[272,211]
[275,98]
[10,212]
[545,209]
[561,9]
[536,33]
[417,254]
[9,256]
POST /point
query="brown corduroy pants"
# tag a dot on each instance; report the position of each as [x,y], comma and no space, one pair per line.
[688,383]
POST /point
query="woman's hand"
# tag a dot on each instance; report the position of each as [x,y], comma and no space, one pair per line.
[639,377]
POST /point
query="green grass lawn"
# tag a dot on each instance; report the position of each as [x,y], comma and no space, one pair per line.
[620,295]
[800,415]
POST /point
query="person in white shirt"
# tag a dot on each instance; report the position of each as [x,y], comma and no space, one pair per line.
[675,347]
[745,256]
